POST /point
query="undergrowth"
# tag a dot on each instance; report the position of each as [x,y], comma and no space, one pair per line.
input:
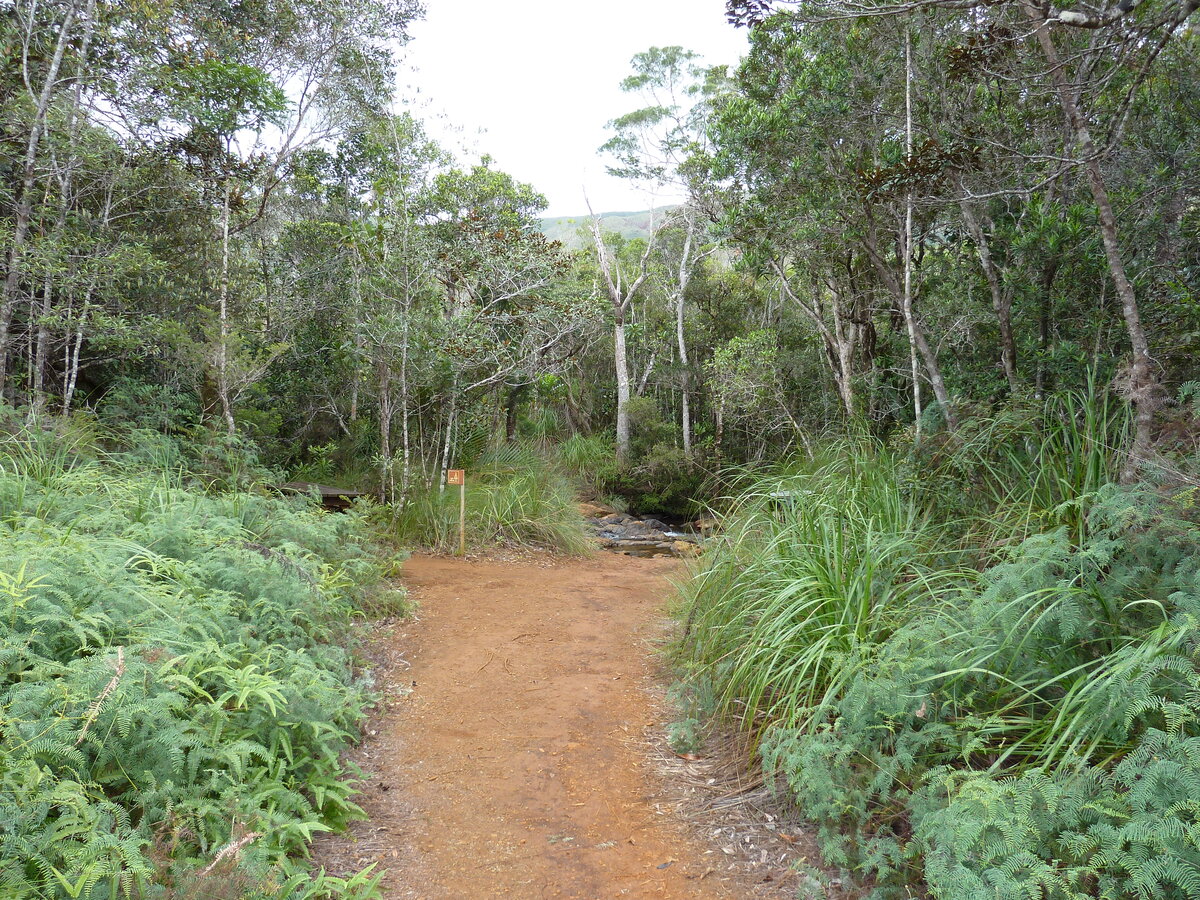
[173,697]
[515,497]
[974,665]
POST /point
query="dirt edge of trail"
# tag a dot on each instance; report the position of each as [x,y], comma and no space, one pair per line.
[519,749]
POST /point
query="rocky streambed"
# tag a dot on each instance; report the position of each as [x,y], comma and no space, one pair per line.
[639,536]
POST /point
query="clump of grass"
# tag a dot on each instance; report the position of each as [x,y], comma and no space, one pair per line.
[589,460]
[973,662]
[1029,466]
[515,497]
[817,563]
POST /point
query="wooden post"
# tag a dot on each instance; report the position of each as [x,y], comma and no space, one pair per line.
[459,477]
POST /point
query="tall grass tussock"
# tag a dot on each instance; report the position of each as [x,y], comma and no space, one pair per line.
[515,497]
[973,664]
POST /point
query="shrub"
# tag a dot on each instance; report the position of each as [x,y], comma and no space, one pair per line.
[816,563]
[1029,731]
[664,481]
[589,461]
[169,681]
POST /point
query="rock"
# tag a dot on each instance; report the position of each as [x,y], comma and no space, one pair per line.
[644,529]
[623,533]
[595,510]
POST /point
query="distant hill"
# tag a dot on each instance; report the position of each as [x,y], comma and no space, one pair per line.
[627,224]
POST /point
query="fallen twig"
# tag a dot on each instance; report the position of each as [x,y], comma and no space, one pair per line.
[96,705]
[231,849]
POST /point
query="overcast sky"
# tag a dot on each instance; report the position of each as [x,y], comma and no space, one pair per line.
[534,83]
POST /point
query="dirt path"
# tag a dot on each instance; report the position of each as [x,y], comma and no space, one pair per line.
[516,767]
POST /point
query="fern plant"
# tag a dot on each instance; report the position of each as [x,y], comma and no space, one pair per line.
[171,678]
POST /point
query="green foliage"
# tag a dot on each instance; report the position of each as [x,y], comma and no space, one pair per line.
[168,681]
[218,98]
[515,497]
[1030,730]
[815,564]
[743,373]
[1025,466]
[590,461]
[664,480]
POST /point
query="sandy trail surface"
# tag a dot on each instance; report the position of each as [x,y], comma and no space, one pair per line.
[517,766]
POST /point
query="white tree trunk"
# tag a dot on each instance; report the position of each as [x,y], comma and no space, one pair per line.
[388,477]
[450,420]
[621,297]
[73,349]
[223,392]
[24,212]
[41,356]
[405,436]
[906,303]
[681,284]
[622,363]
[910,319]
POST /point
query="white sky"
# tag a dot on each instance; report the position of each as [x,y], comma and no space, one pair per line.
[534,83]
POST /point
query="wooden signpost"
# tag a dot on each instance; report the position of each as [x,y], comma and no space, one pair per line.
[459,477]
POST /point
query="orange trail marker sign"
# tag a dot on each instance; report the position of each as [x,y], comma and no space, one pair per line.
[459,477]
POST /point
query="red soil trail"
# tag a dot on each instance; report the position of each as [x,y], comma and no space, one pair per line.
[516,767]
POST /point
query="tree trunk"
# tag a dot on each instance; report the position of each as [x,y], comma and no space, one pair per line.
[24,211]
[71,369]
[910,319]
[620,298]
[512,404]
[1039,388]
[71,378]
[840,342]
[796,429]
[223,319]
[387,475]
[575,417]
[405,435]
[622,363]
[1001,299]
[684,276]
[935,375]
[906,301]
[355,374]
[846,338]
[719,438]
[1144,388]
[646,373]
[41,356]
[450,420]
[918,340]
